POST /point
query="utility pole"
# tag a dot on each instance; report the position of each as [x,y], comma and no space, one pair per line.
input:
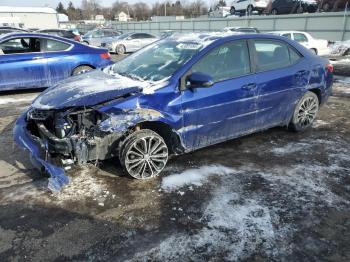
[165,8]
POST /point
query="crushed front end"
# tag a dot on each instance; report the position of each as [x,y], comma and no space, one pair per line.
[56,139]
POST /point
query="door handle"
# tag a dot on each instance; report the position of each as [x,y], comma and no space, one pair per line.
[249,86]
[37,57]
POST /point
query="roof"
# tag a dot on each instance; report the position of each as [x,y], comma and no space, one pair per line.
[17,9]
[285,32]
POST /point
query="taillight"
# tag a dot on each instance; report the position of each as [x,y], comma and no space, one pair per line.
[329,68]
[105,56]
[77,38]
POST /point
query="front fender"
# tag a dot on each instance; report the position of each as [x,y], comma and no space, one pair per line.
[129,118]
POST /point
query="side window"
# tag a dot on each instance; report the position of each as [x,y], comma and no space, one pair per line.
[225,62]
[294,55]
[289,35]
[20,46]
[300,37]
[274,55]
[53,45]
[136,36]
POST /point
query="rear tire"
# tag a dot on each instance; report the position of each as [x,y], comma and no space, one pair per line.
[81,70]
[305,112]
[143,154]
[120,50]
[232,10]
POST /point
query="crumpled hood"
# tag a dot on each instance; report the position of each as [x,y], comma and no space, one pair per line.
[86,90]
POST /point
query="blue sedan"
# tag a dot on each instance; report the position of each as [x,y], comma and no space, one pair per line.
[177,95]
[36,60]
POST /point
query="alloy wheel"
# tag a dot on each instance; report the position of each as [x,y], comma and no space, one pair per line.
[146,157]
[307,111]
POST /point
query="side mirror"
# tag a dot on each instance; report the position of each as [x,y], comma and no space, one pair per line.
[199,80]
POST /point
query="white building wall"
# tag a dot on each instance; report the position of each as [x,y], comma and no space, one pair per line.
[32,18]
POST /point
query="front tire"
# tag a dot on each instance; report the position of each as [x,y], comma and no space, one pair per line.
[144,154]
[313,50]
[274,11]
[120,50]
[305,112]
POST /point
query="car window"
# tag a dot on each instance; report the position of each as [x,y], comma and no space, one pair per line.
[300,37]
[225,62]
[288,35]
[147,36]
[136,36]
[20,45]
[67,34]
[274,54]
[294,56]
[53,45]
[97,33]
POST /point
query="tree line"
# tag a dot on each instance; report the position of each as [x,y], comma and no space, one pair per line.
[138,11]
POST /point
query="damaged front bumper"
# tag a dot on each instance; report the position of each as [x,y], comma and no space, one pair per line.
[50,153]
[39,155]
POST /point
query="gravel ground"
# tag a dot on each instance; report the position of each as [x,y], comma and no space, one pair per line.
[273,195]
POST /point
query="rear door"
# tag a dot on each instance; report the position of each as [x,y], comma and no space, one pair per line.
[22,65]
[59,60]
[226,109]
[281,74]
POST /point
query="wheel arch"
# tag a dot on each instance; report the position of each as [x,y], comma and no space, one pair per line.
[170,136]
[83,64]
[317,92]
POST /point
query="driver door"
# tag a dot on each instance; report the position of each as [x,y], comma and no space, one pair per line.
[22,65]
[227,108]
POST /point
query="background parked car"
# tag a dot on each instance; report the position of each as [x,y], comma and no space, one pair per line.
[293,6]
[97,36]
[248,6]
[70,34]
[9,29]
[317,46]
[32,60]
[333,5]
[129,42]
[241,29]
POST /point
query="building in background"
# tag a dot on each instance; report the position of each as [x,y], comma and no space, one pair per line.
[30,17]
[122,17]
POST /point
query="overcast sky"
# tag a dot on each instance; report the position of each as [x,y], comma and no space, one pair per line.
[53,3]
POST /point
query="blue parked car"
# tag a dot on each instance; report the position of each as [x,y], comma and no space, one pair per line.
[36,60]
[177,95]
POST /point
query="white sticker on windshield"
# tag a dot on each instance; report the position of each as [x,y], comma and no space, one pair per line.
[193,46]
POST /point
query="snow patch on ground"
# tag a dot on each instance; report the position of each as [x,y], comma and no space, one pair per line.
[290,148]
[194,176]
[319,123]
[83,186]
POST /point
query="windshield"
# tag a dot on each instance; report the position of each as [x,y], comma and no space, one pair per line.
[157,61]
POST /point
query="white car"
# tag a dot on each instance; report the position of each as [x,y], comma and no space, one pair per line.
[318,46]
[248,6]
[129,42]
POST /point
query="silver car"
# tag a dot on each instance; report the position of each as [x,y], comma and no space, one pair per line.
[97,36]
[129,42]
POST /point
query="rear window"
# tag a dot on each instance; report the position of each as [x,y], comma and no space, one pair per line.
[274,55]
[53,45]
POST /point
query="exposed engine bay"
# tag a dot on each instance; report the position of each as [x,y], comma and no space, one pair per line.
[72,135]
